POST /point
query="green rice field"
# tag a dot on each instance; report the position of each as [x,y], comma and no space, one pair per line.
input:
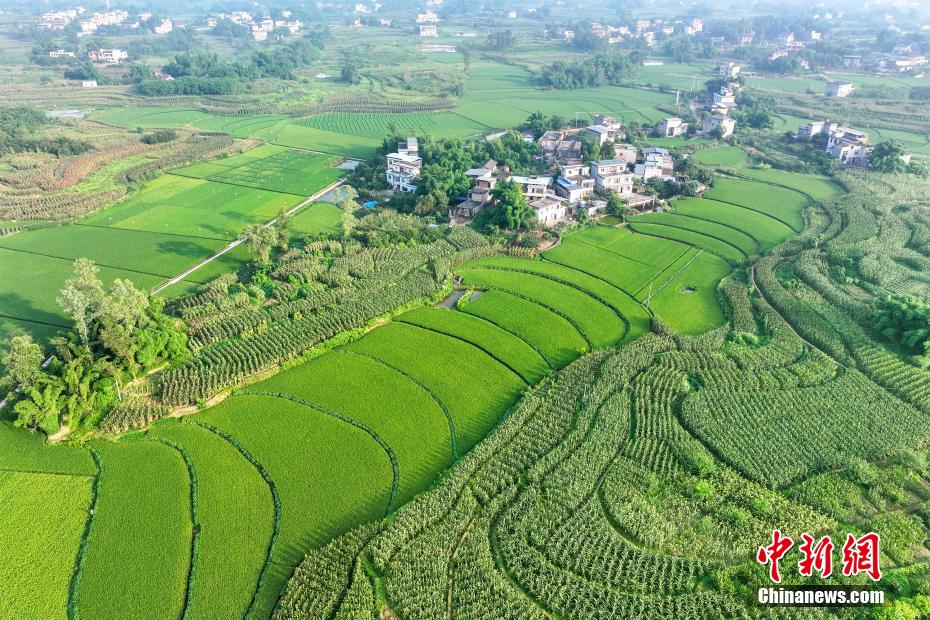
[41,539]
[171,224]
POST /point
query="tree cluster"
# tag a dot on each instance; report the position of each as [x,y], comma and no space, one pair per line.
[600,69]
[120,333]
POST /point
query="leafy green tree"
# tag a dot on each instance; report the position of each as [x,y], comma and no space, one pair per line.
[513,211]
[887,157]
[82,296]
[22,362]
[260,241]
[41,407]
[282,229]
[349,220]
[607,150]
[501,40]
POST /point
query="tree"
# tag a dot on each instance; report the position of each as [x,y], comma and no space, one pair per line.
[82,296]
[607,150]
[501,40]
[513,211]
[282,229]
[350,72]
[22,362]
[887,157]
[41,408]
[348,217]
[260,241]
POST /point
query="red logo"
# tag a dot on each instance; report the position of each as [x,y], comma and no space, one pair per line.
[860,555]
[773,553]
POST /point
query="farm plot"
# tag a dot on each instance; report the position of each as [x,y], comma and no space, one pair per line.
[318,218]
[687,300]
[721,156]
[727,234]
[624,273]
[235,517]
[446,124]
[549,333]
[658,253]
[819,426]
[284,170]
[41,526]
[499,344]
[474,387]
[596,321]
[195,208]
[816,186]
[31,282]
[723,249]
[23,450]
[328,476]
[399,411]
[600,236]
[766,230]
[779,202]
[624,304]
[141,252]
[138,551]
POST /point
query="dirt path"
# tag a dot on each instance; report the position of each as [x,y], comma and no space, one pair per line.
[239,242]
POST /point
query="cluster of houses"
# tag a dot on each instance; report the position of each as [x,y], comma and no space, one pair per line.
[59,20]
[427,24]
[648,30]
[904,59]
[848,146]
[570,186]
[259,26]
[107,55]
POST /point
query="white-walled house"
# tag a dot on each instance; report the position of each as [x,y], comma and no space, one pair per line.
[404,165]
[612,175]
[671,127]
[839,89]
[726,124]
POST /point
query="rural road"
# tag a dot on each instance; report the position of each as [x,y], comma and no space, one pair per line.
[238,242]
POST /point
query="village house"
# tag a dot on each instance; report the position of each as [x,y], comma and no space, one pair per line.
[110,56]
[574,184]
[599,134]
[612,175]
[484,179]
[560,145]
[670,127]
[625,151]
[725,124]
[849,146]
[429,30]
[164,27]
[839,89]
[851,60]
[404,165]
[747,37]
[427,18]
[724,101]
[550,210]
[89,84]
[729,71]
[61,54]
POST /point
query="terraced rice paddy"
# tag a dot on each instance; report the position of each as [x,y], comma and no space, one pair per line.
[40,540]
[210,514]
